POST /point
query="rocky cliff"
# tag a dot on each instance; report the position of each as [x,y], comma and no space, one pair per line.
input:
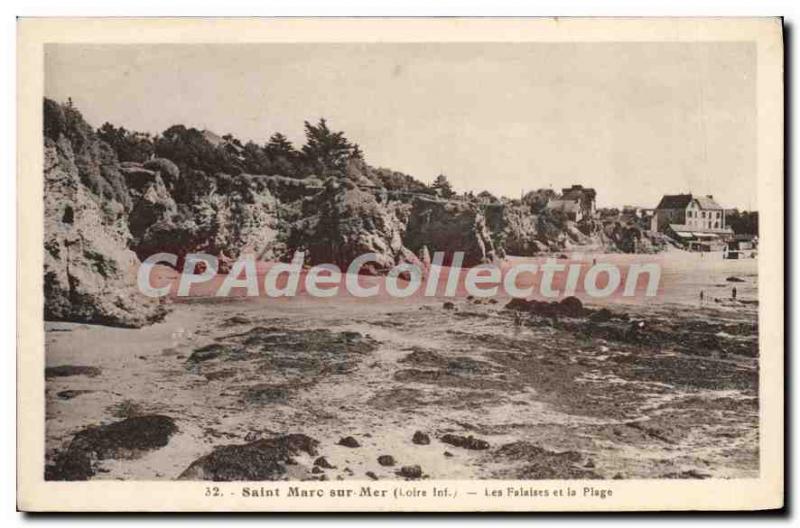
[449,226]
[89,271]
[103,216]
[342,222]
[225,216]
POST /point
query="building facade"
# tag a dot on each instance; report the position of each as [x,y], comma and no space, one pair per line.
[696,221]
[577,202]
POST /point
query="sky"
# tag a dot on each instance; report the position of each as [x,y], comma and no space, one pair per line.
[633,120]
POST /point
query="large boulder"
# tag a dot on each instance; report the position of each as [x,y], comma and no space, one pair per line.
[127,439]
[265,459]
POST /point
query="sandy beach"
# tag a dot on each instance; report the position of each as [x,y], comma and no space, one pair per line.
[537,398]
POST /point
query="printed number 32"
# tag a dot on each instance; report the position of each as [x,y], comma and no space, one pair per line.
[212,492]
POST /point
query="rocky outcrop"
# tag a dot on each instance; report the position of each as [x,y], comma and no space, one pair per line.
[288,189]
[514,230]
[628,238]
[265,459]
[449,226]
[344,222]
[127,439]
[89,272]
[97,210]
[225,216]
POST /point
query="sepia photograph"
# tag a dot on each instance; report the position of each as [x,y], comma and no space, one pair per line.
[292,265]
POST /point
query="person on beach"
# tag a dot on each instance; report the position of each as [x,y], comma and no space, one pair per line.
[733,293]
[701,297]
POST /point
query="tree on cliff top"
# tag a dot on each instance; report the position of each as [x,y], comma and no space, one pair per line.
[189,149]
[129,145]
[441,186]
[282,155]
[326,153]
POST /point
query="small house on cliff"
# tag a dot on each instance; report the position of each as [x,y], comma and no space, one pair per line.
[577,202]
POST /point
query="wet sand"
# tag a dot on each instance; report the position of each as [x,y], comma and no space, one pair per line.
[673,397]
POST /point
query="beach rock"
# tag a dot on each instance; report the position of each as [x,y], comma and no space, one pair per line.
[410,472]
[448,305]
[567,307]
[421,438]
[734,279]
[71,393]
[237,320]
[571,307]
[423,356]
[265,393]
[62,371]
[371,475]
[302,356]
[129,438]
[323,463]
[530,461]
[517,304]
[207,353]
[688,474]
[602,315]
[264,459]
[467,442]
[348,441]
[386,460]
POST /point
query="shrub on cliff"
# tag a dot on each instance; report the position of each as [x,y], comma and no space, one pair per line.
[128,145]
[190,149]
[96,161]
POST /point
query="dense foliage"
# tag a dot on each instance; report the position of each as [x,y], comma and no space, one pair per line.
[96,161]
[742,222]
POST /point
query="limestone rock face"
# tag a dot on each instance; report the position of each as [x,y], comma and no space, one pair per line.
[449,226]
[224,216]
[513,230]
[89,272]
[151,202]
[344,222]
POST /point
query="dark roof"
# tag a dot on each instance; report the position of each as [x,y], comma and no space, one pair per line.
[674,201]
[707,202]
